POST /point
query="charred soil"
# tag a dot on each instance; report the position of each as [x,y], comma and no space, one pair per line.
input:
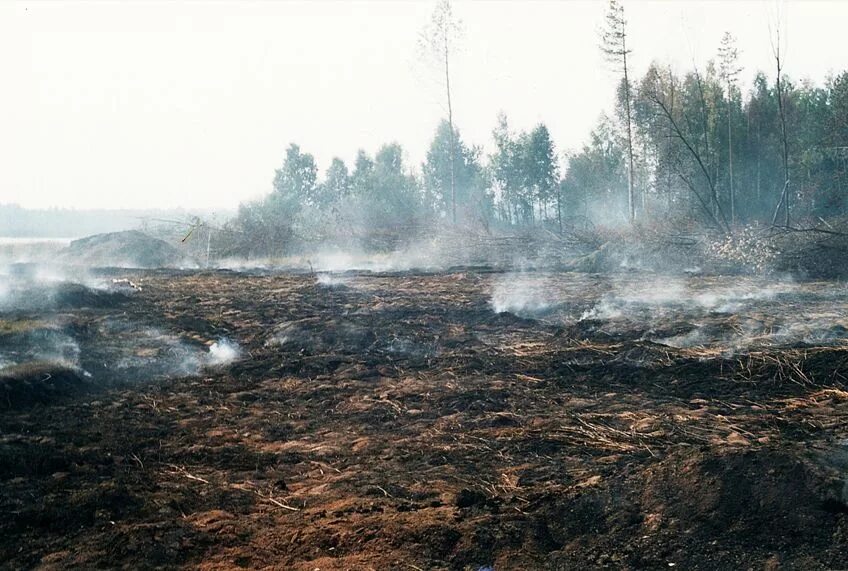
[396,421]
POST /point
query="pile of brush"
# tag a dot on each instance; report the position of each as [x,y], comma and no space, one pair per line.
[807,252]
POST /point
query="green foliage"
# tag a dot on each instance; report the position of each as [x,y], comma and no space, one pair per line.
[337,184]
[525,170]
[298,175]
[472,188]
[265,228]
[392,196]
[702,149]
[697,125]
[595,185]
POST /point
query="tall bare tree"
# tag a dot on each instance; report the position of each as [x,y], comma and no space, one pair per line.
[439,39]
[785,195]
[729,71]
[614,47]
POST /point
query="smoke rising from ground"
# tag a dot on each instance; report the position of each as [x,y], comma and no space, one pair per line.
[222,352]
[731,314]
[521,294]
[44,321]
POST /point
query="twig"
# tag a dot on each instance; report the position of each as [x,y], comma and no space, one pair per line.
[180,470]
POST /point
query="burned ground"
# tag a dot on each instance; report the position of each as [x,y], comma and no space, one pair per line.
[398,421]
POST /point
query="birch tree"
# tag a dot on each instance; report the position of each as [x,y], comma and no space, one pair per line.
[439,40]
[729,71]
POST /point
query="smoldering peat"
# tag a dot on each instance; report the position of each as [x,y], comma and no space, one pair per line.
[734,314]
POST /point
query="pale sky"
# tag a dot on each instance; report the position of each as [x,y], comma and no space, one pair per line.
[192,104]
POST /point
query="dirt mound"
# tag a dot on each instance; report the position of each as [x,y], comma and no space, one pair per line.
[31,341]
[774,498]
[25,385]
[132,249]
[37,296]
[71,296]
[730,510]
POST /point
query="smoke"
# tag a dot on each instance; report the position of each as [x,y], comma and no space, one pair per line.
[733,299]
[341,261]
[30,250]
[329,261]
[734,314]
[222,352]
[25,341]
[40,324]
[604,310]
[41,287]
[158,353]
[329,280]
[126,350]
[420,255]
[56,348]
[650,298]
[444,249]
[5,290]
[653,298]
[693,338]
[244,264]
[522,294]
[737,333]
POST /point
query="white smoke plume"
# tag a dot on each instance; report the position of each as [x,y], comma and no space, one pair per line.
[223,352]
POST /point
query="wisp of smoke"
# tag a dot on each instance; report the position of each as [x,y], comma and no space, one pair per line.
[649,297]
[604,310]
[424,254]
[520,295]
[330,280]
[421,255]
[222,352]
[43,344]
[731,300]
[5,289]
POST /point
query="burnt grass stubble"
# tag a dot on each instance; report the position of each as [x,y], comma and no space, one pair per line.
[396,422]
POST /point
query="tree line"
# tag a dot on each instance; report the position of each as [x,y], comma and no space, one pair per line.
[687,145]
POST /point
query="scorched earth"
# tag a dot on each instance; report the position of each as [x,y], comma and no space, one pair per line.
[465,419]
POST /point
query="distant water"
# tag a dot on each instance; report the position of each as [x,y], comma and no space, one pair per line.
[8,241]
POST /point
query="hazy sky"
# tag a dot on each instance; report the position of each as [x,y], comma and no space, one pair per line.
[120,104]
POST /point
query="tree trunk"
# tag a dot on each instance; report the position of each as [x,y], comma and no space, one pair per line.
[759,170]
[730,164]
[631,203]
[559,210]
[450,124]
[786,195]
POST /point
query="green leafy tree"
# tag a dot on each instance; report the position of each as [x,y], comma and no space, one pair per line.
[439,40]
[298,175]
[466,183]
[505,166]
[336,185]
[595,182]
[542,169]
[387,193]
